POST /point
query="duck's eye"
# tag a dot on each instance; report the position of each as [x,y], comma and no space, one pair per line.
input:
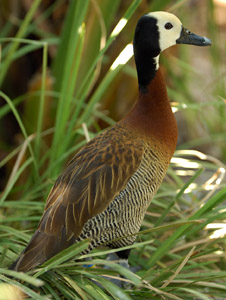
[168,26]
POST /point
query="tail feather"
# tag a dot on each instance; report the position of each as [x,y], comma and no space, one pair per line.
[41,247]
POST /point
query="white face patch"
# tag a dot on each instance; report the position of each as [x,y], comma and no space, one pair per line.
[169,27]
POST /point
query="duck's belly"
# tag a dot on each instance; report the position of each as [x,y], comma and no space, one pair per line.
[125,213]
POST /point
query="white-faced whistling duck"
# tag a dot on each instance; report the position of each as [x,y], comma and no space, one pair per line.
[105,190]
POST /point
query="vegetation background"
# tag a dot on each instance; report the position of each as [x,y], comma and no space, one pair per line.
[61,84]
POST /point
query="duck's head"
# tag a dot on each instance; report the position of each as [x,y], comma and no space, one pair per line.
[154,33]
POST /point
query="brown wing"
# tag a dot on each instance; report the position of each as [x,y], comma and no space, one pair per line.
[90,182]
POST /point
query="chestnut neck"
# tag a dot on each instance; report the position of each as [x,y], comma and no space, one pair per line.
[152,115]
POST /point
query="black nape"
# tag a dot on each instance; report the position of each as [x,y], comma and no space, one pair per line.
[146,50]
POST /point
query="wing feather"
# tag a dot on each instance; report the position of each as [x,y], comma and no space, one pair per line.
[91,181]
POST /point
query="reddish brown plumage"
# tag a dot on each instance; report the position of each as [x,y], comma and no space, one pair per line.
[152,116]
[100,170]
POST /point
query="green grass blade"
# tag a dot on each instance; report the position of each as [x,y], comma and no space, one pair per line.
[197,294]
[87,82]
[68,93]
[5,109]
[18,118]
[119,269]
[42,101]
[69,37]
[14,180]
[99,93]
[116,292]
[22,276]
[64,255]
[92,289]
[179,194]
[31,46]
[21,32]
[71,43]
[164,248]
